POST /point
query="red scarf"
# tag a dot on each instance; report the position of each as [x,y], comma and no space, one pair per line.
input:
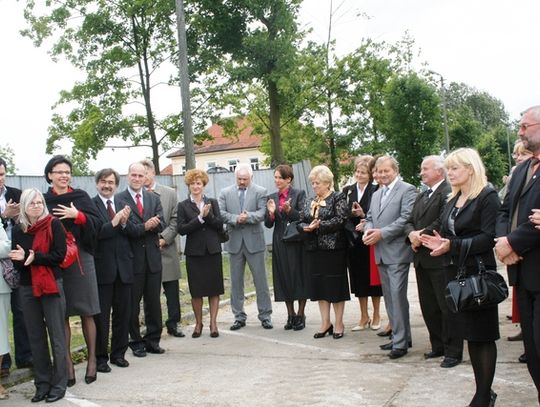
[43,281]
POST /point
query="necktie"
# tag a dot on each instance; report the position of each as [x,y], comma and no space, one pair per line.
[384,195]
[242,197]
[110,209]
[428,193]
[139,204]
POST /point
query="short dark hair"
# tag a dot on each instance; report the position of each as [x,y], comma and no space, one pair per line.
[107,172]
[3,162]
[53,162]
[285,171]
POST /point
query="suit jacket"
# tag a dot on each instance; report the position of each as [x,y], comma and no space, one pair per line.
[525,239]
[426,215]
[351,192]
[250,233]
[475,220]
[391,218]
[297,198]
[144,244]
[169,254]
[15,195]
[202,238]
[113,254]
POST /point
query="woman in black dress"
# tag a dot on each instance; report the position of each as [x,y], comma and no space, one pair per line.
[470,214]
[38,249]
[288,274]
[79,216]
[359,199]
[324,218]
[199,218]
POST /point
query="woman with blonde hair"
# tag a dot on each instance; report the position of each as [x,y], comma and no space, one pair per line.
[38,249]
[324,217]
[200,220]
[469,218]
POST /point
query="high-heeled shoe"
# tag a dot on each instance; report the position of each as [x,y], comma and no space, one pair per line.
[3,393]
[214,333]
[90,379]
[299,322]
[492,398]
[329,331]
[197,333]
[71,382]
[377,326]
[362,327]
[290,322]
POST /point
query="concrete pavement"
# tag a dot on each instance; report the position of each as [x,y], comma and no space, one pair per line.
[258,367]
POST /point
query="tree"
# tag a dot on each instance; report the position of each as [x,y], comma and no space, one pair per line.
[412,124]
[257,42]
[8,155]
[121,46]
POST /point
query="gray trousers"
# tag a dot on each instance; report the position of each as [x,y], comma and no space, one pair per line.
[42,315]
[394,280]
[258,271]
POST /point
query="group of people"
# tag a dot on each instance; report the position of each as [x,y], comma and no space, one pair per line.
[360,240]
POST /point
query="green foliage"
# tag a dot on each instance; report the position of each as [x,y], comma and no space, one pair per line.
[8,155]
[412,125]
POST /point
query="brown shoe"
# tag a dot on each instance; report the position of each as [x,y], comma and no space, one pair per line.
[4,372]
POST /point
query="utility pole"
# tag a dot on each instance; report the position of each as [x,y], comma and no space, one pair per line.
[445,113]
[184,85]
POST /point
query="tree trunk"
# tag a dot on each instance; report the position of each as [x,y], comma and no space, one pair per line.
[275,125]
[334,165]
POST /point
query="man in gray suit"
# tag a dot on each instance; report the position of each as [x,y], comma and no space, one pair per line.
[243,207]
[390,209]
[170,258]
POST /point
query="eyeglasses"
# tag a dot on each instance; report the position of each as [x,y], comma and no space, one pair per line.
[525,126]
[61,172]
[35,204]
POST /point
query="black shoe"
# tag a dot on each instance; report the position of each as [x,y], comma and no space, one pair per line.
[154,348]
[267,324]
[522,358]
[90,379]
[290,322]
[197,333]
[214,334]
[337,335]
[38,397]
[329,331]
[387,346]
[384,333]
[103,367]
[299,322]
[517,337]
[174,331]
[433,354]
[139,352]
[53,398]
[397,353]
[237,325]
[492,398]
[4,372]
[120,362]
[450,362]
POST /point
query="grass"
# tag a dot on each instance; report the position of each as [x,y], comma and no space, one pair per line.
[77,339]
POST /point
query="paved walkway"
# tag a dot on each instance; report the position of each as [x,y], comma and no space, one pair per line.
[258,367]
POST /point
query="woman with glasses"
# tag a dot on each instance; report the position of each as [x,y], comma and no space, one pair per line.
[470,215]
[38,249]
[79,216]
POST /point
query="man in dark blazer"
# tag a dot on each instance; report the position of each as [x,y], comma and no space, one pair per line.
[147,215]
[9,212]
[114,271]
[518,242]
[430,271]
[390,208]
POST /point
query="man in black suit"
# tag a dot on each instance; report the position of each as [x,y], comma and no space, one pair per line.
[430,271]
[9,212]
[146,215]
[518,242]
[114,270]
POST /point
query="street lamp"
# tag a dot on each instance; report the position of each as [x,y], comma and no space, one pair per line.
[445,114]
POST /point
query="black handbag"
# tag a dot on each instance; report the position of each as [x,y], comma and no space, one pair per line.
[223,234]
[474,292]
[292,232]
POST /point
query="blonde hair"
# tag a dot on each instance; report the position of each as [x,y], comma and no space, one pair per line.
[323,173]
[27,196]
[194,174]
[468,157]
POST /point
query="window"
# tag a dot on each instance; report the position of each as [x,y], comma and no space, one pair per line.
[210,164]
[232,164]
[183,170]
[254,163]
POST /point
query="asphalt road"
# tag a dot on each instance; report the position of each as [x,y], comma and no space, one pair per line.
[258,367]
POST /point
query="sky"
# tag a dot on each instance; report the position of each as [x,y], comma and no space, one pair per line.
[484,43]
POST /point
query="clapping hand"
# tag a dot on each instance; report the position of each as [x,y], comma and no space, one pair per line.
[357,210]
[436,243]
[66,212]
[315,223]
[271,206]
[205,210]
[17,254]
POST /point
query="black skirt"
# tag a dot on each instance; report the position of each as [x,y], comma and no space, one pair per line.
[205,275]
[328,271]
